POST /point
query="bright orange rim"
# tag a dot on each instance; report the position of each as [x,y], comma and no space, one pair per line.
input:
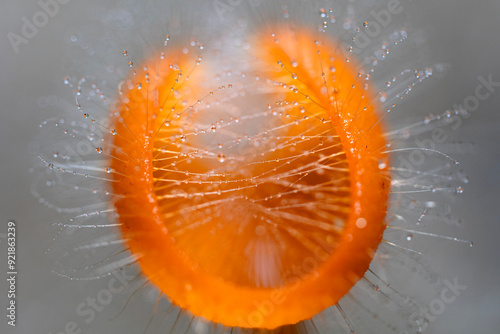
[225,302]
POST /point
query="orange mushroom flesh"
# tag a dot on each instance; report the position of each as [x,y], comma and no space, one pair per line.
[257,203]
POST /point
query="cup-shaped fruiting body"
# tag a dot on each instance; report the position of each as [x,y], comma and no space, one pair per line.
[256,202]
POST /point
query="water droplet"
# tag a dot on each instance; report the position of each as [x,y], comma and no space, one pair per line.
[462,176]
[383,96]
[221,157]
[113,132]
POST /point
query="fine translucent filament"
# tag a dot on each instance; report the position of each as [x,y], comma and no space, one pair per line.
[253,196]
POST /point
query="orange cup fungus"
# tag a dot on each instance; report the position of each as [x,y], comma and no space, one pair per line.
[259,203]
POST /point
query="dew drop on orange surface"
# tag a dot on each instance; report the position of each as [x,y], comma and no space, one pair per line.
[258,202]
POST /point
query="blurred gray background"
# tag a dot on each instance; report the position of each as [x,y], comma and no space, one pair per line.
[463,33]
